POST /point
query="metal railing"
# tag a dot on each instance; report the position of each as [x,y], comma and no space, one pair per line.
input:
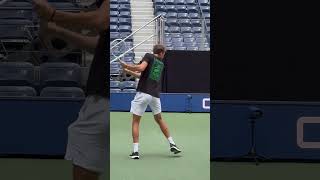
[158,35]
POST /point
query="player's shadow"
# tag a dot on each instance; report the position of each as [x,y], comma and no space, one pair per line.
[160,155]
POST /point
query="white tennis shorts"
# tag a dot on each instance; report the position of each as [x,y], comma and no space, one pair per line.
[87,136]
[141,101]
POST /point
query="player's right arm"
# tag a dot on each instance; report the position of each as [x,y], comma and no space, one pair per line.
[136,68]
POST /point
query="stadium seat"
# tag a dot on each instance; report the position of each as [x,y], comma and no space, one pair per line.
[159,2]
[174,29]
[184,22]
[187,35]
[204,2]
[206,15]
[180,48]
[113,21]
[192,9]
[194,15]
[174,35]
[183,16]
[124,7]
[124,1]
[181,8]
[179,2]
[205,8]
[186,29]
[177,39]
[162,13]
[17,91]
[196,29]
[113,1]
[192,48]
[175,44]
[16,74]
[16,10]
[160,8]
[60,74]
[129,90]
[189,40]
[115,71]
[171,15]
[115,90]
[128,85]
[114,28]
[171,8]
[114,7]
[125,14]
[169,2]
[70,92]
[172,22]
[195,23]
[124,28]
[190,2]
[114,13]
[14,29]
[114,84]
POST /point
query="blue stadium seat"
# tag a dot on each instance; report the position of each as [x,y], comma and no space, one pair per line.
[171,15]
[196,23]
[206,15]
[18,10]
[191,2]
[125,14]
[174,29]
[180,48]
[175,35]
[205,8]
[204,2]
[181,8]
[113,1]
[194,15]
[115,90]
[196,29]
[16,74]
[124,7]
[124,28]
[192,9]
[114,28]
[160,8]
[189,40]
[125,21]
[128,85]
[172,22]
[188,35]
[114,35]
[60,74]
[114,7]
[163,13]
[114,84]
[186,29]
[175,44]
[170,48]
[14,29]
[17,91]
[115,71]
[169,2]
[113,21]
[192,48]
[184,22]
[171,8]
[179,2]
[124,1]
[177,39]
[129,90]
[159,2]
[114,13]
[183,16]
[70,92]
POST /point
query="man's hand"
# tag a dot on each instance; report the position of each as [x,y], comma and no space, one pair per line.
[44,10]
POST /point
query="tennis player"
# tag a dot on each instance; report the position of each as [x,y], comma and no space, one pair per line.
[148,93]
[88,140]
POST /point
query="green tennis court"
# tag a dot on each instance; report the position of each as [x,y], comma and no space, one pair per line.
[191,132]
[265,171]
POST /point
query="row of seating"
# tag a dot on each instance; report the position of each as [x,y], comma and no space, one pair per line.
[51,74]
[182,8]
[181,2]
[124,86]
[27,91]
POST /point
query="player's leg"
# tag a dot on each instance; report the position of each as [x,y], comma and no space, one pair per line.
[87,146]
[138,107]
[155,106]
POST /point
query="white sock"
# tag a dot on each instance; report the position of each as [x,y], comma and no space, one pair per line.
[135,147]
[170,140]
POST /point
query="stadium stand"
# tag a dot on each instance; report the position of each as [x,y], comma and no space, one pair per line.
[26,68]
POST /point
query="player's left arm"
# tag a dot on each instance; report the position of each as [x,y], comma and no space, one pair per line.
[136,68]
[132,73]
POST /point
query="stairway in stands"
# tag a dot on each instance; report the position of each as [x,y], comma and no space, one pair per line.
[141,12]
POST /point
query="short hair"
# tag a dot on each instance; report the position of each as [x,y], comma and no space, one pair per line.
[158,49]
